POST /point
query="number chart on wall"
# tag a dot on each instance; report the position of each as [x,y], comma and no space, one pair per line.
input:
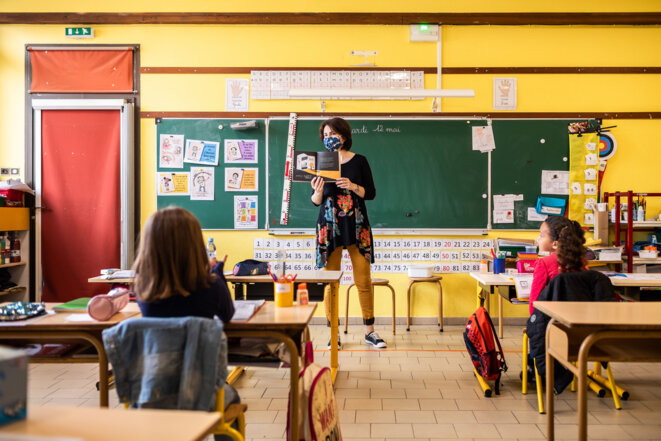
[457,255]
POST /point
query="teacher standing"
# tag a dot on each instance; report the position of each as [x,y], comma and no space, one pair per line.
[343,222]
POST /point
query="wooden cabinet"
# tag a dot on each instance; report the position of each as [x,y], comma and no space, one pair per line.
[17,220]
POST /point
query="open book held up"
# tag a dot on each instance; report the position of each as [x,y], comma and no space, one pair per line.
[308,165]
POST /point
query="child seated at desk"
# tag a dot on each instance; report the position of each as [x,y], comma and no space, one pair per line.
[565,240]
[174,277]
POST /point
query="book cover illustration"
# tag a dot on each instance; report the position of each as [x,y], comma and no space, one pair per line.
[308,165]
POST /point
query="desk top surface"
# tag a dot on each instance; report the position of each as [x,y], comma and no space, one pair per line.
[100,424]
[70,320]
[105,279]
[624,315]
[629,279]
[270,316]
[302,276]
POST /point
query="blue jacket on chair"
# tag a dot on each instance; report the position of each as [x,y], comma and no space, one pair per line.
[168,363]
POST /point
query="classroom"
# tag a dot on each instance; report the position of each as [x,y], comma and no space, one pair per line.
[221,76]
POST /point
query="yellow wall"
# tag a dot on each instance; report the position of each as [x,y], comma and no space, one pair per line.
[633,167]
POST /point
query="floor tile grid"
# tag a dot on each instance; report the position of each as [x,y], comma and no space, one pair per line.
[420,388]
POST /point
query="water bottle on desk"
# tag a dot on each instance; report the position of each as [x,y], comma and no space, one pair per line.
[211,249]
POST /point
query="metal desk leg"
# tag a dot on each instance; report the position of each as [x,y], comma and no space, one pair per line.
[500,316]
[294,369]
[334,292]
[66,336]
[550,396]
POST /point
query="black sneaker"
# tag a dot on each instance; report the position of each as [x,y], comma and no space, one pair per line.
[373,339]
[339,343]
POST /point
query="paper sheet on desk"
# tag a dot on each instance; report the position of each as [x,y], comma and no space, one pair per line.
[643,276]
[523,285]
[244,309]
[79,318]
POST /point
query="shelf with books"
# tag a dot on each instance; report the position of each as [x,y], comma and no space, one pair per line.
[16,220]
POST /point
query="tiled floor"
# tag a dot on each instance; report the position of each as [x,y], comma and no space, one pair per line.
[420,388]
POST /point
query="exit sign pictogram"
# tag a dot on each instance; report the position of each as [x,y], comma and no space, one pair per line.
[80,32]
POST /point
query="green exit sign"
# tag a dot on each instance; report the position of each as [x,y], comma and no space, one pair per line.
[80,32]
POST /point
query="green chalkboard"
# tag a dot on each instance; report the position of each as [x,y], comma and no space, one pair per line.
[523,149]
[218,213]
[425,168]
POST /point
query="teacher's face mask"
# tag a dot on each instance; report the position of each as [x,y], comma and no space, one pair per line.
[332,143]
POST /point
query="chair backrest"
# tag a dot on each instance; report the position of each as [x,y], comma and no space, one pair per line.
[167,363]
[579,286]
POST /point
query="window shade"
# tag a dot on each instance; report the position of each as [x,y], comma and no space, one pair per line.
[93,71]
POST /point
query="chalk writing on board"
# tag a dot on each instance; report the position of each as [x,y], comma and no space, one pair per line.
[378,128]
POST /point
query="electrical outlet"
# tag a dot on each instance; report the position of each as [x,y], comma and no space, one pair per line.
[4,171]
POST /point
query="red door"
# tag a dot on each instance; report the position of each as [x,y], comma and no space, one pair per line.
[80,221]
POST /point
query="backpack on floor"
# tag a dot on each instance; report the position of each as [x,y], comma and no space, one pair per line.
[318,416]
[481,341]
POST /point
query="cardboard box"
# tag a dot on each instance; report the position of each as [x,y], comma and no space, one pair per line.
[13,385]
[601,226]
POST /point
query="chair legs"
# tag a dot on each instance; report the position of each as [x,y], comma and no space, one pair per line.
[609,382]
[540,393]
[524,375]
[596,382]
[346,313]
[392,291]
[436,280]
[234,412]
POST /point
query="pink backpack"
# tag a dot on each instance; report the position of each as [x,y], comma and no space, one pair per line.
[318,417]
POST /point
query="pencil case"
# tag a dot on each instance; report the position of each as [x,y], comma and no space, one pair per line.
[251,267]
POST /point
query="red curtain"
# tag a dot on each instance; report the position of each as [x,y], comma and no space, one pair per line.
[81,200]
[69,71]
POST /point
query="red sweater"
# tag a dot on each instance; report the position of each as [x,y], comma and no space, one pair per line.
[545,270]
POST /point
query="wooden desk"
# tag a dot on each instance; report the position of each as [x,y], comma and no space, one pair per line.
[489,283]
[328,277]
[287,325]
[93,424]
[55,327]
[602,331]
[104,279]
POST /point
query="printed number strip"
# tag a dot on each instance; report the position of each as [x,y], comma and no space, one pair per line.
[289,163]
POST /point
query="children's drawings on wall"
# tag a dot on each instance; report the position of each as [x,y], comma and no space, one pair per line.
[241,179]
[202,152]
[483,138]
[241,150]
[202,182]
[584,175]
[503,208]
[555,182]
[171,151]
[173,184]
[245,212]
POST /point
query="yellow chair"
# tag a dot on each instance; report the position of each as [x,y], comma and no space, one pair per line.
[234,412]
[597,383]
[375,282]
[150,340]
